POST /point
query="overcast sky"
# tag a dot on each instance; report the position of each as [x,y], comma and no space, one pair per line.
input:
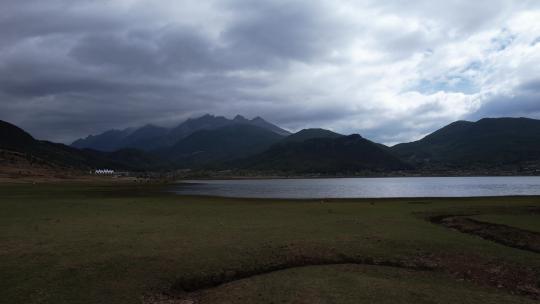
[391,72]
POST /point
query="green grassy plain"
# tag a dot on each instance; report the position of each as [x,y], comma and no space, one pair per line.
[81,243]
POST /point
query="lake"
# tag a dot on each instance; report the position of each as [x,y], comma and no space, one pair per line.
[364,187]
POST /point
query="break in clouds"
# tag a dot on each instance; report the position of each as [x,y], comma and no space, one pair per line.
[391,72]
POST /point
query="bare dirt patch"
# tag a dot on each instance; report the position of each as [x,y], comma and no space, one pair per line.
[503,234]
[515,279]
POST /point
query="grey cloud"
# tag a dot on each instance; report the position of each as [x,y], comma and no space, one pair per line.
[115,50]
[510,106]
[285,30]
[410,126]
[161,51]
[404,45]
[69,68]
[524,102]
[467,16]
[30,19]
[531,86]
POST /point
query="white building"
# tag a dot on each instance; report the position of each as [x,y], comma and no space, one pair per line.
[104,172]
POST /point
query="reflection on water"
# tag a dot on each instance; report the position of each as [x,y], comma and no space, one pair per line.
[364,187]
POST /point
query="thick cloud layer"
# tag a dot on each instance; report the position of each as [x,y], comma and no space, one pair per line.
[392,72]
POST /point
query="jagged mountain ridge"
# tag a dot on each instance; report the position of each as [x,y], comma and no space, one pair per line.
[152,137]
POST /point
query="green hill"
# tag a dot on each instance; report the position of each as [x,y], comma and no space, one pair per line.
[338,155]
[15,139]
[486,143]
[210,147]
[306,134]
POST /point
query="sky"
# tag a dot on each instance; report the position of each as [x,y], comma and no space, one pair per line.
[392,71]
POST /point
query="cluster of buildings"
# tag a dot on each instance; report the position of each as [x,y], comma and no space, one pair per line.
[104,172]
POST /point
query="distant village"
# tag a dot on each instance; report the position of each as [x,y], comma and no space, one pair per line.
[111,172]
[103,172]
[155,175]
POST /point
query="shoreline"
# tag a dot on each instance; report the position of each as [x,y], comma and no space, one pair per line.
[92,179]
[339,177]
[348,199]
[323,176]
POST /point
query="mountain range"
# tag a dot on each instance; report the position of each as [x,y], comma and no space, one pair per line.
[150,137]
[210,148]
[255,145]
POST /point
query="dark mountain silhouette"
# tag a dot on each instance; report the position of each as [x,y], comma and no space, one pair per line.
[259,122]
[306,134]
[489,142]
[212,147]
[15,139]
[192,125]
[341,154]
[151,137]
[144,138]
[107,141]
[141,138]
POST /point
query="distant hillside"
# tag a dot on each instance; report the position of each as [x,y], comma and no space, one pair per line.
[261,123]
[489,142]
[143,138]
[151,137]
[107,141]
[192,125]
[306,134]
[212,147]
[343,154]
[15,139]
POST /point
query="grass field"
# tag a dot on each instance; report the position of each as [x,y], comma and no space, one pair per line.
[81,243]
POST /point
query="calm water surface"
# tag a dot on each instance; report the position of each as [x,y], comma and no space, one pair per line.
[364,187]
